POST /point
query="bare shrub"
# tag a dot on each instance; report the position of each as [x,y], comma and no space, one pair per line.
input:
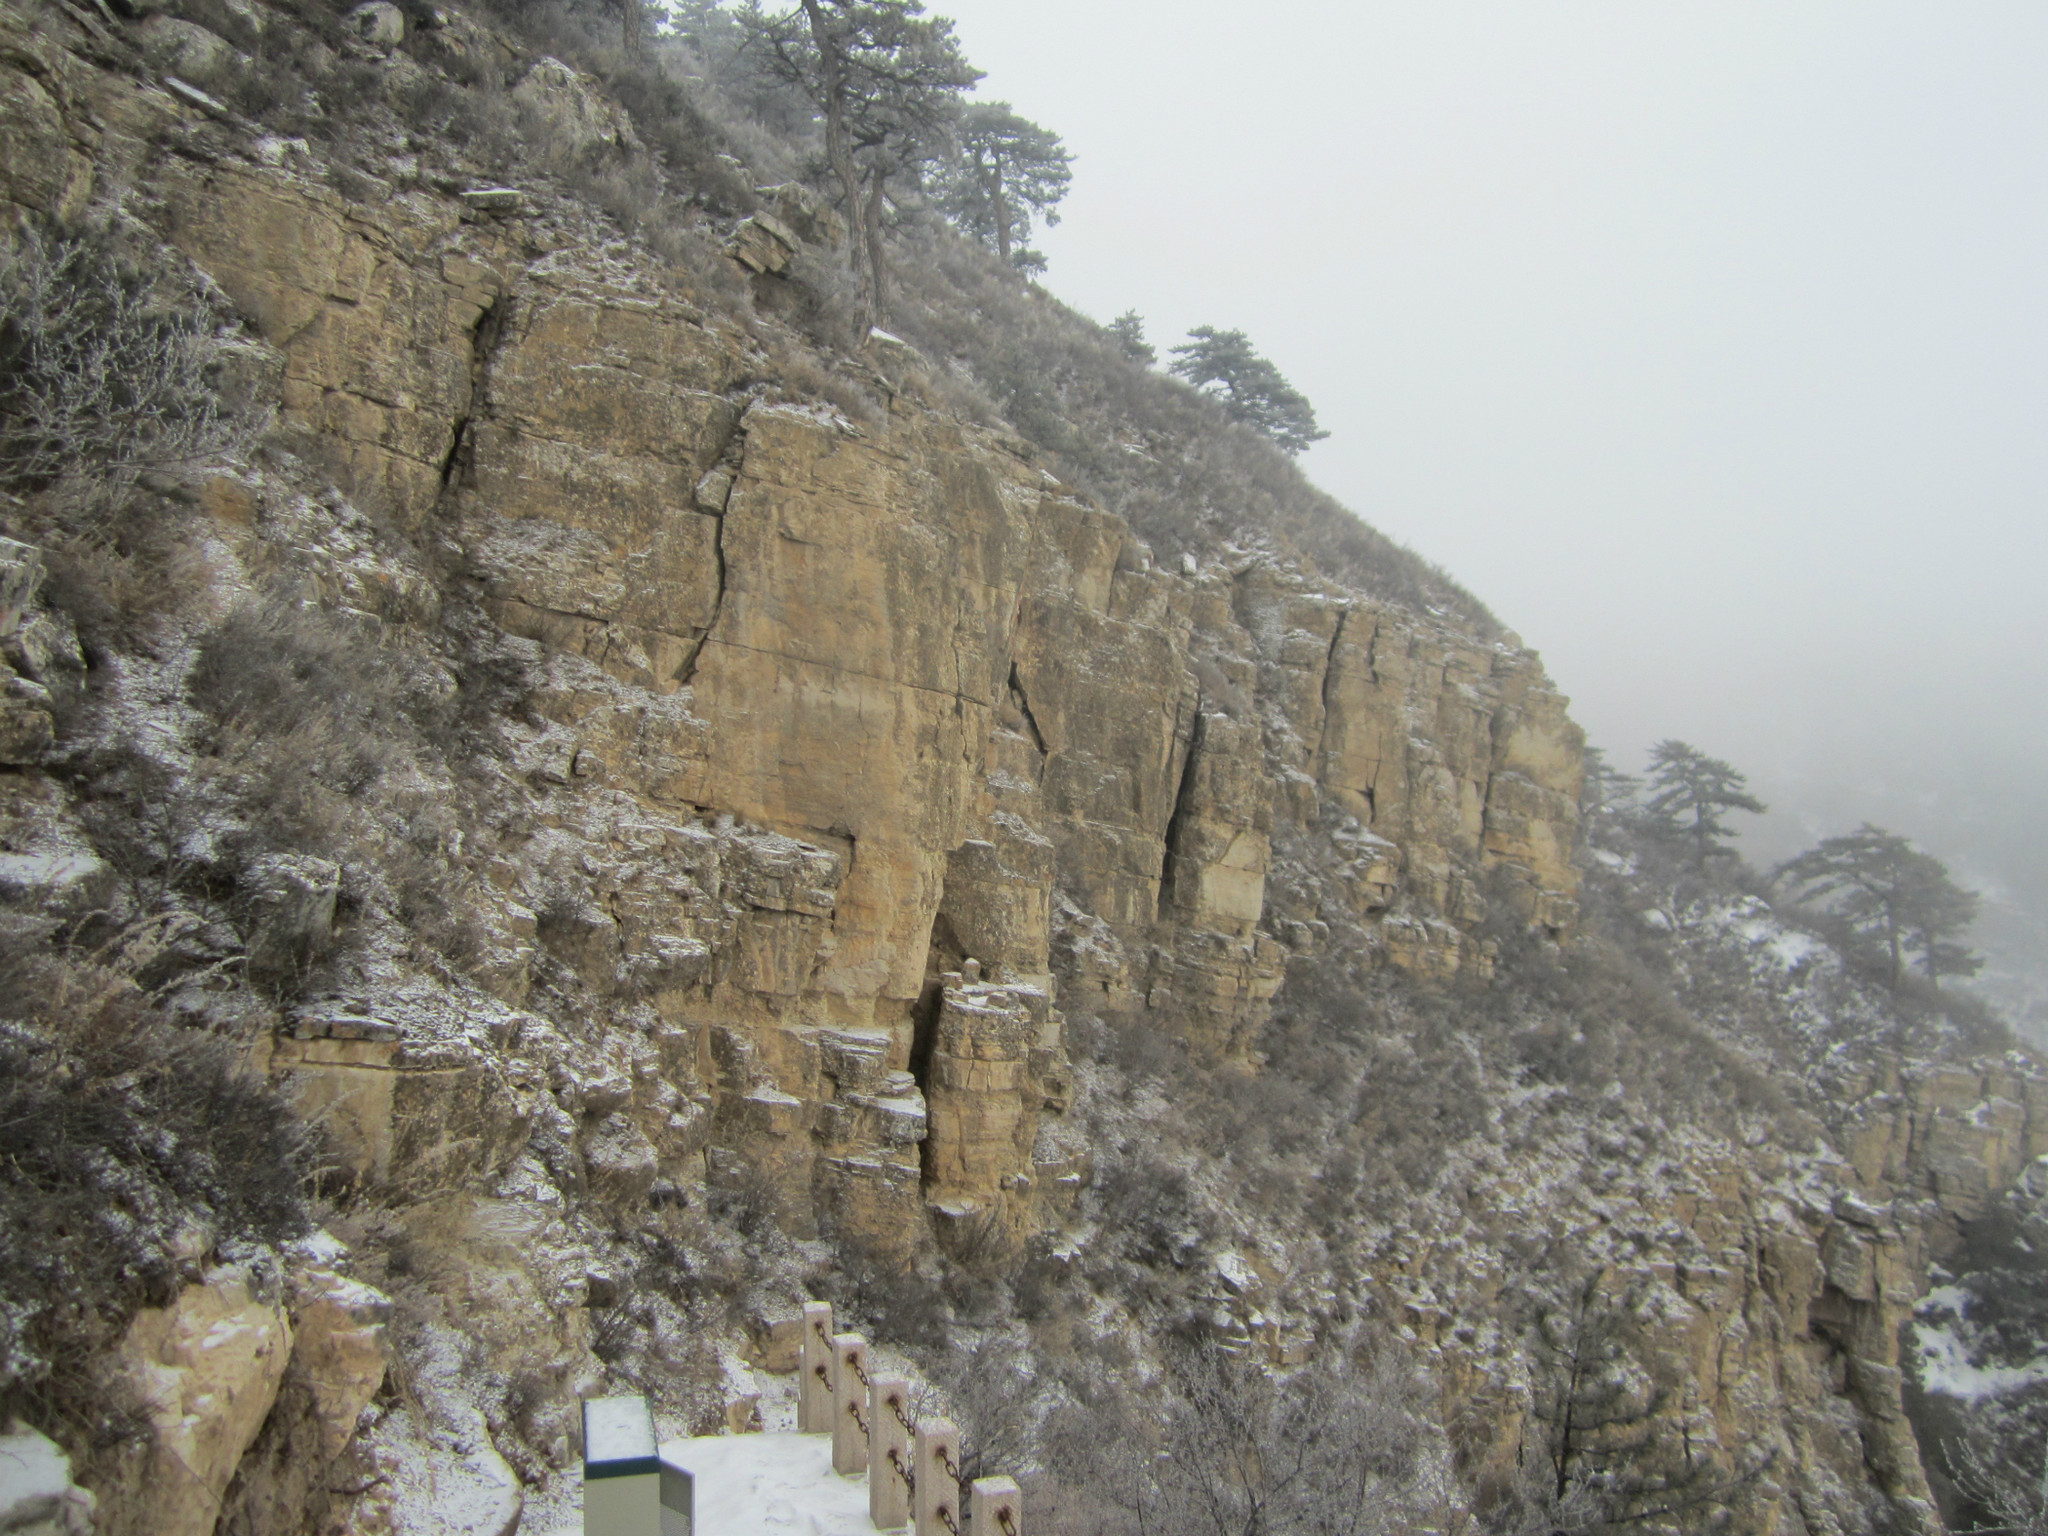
[2005,1480]
[887,1293]
[1340,1448]
[1151,1207]
[993,1393]
[118,1133]
[108,369]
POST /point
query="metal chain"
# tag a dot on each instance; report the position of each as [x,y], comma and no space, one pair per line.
[1006,1519]
[946,1460]
[853,1362]
[859,1418]
[909,1477]
[895,1401]
[946,1519]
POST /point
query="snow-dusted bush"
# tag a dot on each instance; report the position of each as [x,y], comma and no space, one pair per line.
[107,370]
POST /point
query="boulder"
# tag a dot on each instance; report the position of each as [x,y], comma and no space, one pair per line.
[184,47]
[494,199]
[206,1369]
[582,125]
[806,214]
[339,1349]
[763,244]
[378,23]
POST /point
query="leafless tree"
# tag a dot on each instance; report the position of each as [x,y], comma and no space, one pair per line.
[1339,1448]
[2011,1494]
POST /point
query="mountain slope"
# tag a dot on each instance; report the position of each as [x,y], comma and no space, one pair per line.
[692,808]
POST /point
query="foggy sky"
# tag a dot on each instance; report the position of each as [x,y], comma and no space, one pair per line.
[1707,344]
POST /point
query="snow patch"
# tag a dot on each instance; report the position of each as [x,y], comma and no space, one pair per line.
[1946,1367]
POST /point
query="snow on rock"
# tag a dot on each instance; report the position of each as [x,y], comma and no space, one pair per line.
[37,1496]
[1946,1367]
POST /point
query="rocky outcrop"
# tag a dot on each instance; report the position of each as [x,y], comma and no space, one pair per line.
[948,685]
[206,1370]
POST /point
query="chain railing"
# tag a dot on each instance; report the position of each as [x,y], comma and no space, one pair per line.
[878,1406]
[903,1470]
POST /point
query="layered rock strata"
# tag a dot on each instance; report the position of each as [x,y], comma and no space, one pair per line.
[857,703]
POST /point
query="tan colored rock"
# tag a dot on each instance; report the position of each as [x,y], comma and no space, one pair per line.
[763,243]
[340,1349]
[47,142]
[983,1120]
[583,127]
[897,645]
[406,1119]
[207,1370]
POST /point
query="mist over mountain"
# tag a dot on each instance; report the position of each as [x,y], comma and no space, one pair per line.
[1705,346]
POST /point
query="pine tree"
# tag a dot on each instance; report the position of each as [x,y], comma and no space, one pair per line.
[1605,789]
[1600,1453]
[1895,895]
[1127,330]
[1689,791]
[1249,387]
[887,81]
[1009,170]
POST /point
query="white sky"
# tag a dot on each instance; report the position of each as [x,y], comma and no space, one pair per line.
[1707,343]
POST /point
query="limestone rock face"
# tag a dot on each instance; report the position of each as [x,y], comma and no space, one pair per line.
[848,762]
[339,1349]
[407,1116]
[949,686]
[207,1370]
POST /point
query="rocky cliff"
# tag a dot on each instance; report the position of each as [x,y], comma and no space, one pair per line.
[784,771]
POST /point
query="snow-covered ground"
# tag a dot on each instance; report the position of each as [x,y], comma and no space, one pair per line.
[767,1485]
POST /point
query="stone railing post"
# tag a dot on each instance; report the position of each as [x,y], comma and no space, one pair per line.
[997,1506]
[890,1475]
[814,1366]
[937,1503]
[849,1404]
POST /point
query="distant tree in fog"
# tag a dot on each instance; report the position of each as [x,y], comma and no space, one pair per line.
[1009,170]
[1689,794]
[1895,895]
[1127,330]
[1223,365]
[1606,788]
